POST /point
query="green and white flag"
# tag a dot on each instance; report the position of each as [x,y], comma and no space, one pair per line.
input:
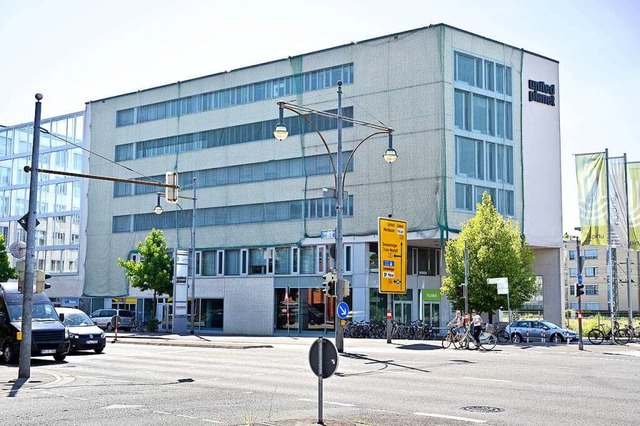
[592,198]
[633,186]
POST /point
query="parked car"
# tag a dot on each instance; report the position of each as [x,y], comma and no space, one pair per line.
[533,329]
[84,334]
[102,318]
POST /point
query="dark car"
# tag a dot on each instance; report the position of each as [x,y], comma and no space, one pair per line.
[83,333]
[534,330]
[102,318]
[49,337]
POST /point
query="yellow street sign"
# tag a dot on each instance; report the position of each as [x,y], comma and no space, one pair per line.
[392,255]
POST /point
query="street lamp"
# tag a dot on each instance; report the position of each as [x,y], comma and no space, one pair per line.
[192,255]
[339,173]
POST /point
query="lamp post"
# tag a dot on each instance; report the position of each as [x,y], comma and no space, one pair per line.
[192,255]
[339,172]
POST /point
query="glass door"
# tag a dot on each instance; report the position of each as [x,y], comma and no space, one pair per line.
[402,311]
[432,314]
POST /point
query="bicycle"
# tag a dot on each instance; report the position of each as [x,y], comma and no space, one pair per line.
[501,333]
[487,341]
[452,337]
[597,335]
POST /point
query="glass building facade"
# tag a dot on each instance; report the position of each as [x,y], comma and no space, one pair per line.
[59,197]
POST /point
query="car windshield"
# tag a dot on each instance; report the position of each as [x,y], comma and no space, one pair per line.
[77,319]
[549,324]
[39,312]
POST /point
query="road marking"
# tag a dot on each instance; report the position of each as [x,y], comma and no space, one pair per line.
[488,380]
[120,406]
[332,403]
[442,416]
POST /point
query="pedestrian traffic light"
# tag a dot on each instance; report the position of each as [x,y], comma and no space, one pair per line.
[579,289]
[40,278]
[331,289]
[329,283]
[171,192]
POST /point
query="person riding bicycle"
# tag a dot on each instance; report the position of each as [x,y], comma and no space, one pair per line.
[457,323]
[476,320]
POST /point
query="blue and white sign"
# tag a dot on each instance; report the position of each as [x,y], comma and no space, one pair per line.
[343,310]
[579,278]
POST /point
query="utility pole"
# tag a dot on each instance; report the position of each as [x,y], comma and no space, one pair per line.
[24,367]
[466,280]
[579,264]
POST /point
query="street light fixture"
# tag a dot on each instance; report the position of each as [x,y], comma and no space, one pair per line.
[339,173]
[192,255]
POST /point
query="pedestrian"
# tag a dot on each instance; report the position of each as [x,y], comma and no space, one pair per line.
[476,320]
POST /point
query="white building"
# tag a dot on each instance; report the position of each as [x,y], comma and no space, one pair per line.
[470,115]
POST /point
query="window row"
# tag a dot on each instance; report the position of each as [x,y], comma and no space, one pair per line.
[256,172]
[482,74]
[240,95]
[468,196]
[59,130]
[478,113]
[587,253]
[250,132]
[589,271]
[314,208]
[420,261]
[488,161]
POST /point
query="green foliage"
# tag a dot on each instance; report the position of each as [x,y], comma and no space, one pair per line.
[6,271]
[152,325]
[496,249]
[155,269]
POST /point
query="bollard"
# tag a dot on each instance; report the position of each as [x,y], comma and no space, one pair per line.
[543,335]
[527,335]
[568,339]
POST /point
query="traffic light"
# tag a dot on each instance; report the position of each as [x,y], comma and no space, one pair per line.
[329,283]
[346,289]
[21,266]
[171,192]
[40,279]
[460,291]
[579,289]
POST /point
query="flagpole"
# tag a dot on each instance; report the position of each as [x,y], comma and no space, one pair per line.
[626,193]
[609,254]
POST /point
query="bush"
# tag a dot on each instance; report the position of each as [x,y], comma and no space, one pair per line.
[589,323]
[152,325]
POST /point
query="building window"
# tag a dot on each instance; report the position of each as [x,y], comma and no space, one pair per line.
[573,272]
[591,271]
[591,290]
[592,306]
[572,255]
[590,253]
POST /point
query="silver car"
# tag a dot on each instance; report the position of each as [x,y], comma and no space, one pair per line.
[535,331]
[102,318]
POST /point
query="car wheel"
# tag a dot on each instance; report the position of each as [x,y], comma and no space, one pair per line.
[516,338]
[109,327]
[8,354]
[556,338]
[98,350]
[59,357]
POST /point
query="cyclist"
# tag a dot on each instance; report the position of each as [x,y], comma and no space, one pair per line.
[457,323]
[476,320]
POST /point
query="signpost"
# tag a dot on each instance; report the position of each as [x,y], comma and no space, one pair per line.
[323,360]
[503,288]
[392,256]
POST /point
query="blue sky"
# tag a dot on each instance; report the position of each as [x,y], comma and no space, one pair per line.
[74,51]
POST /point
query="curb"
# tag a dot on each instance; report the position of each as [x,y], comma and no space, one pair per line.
[160,342]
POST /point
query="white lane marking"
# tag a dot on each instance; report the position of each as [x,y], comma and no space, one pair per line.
[442,416]
[211,421]
[332,403]
[120,406]
[488,380]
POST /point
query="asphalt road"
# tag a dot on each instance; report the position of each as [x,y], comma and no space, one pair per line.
[404,383]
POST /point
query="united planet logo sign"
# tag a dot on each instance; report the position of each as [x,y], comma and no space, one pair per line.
[541,92]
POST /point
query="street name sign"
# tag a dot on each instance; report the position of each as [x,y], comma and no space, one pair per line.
[392,255]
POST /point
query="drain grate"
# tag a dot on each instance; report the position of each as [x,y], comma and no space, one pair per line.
[482,409]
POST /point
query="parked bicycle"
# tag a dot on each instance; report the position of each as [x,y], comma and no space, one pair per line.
[500,330]
[597,335]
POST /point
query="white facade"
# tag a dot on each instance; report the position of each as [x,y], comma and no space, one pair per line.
[454,100]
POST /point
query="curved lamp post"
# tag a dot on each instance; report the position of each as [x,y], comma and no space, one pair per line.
[339,173]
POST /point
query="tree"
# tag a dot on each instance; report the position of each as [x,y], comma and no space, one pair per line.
[6,271]
[496,249]
[154,271]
